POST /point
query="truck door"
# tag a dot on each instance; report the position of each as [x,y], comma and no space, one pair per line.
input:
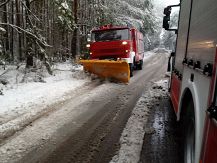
[209,153]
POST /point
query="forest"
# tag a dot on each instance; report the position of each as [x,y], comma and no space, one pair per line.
[54,30]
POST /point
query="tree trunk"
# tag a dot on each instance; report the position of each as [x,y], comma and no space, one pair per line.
[29,54]
[75,48]
[19,35]
[12,31]
[6,35]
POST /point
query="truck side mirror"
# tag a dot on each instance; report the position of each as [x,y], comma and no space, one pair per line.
[88,37]
[167,11]
[133,35]
[166,20]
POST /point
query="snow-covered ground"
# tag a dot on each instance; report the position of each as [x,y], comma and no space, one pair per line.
[22,97]
[132,137]
[28,95]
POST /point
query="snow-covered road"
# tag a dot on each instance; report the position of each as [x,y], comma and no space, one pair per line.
[68,110]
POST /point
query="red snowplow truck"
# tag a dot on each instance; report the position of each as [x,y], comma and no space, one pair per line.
[114,52]
[193,84]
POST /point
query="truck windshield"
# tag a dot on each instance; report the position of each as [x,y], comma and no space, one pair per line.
[110,35]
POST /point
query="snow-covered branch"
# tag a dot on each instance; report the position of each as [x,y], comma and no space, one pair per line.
[6,71]
[30,11]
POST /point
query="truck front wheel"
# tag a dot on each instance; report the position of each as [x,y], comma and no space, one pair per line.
[190,143]
[189,134]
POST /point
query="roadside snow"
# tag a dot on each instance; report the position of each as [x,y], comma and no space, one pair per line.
[131,140]
[25,100]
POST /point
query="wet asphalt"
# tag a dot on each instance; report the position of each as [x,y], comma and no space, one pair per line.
[162,141]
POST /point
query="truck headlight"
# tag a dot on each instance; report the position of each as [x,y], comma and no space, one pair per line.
[124,43]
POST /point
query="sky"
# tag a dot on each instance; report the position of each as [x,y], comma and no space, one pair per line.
[164,3]
[159,5]
[169,2]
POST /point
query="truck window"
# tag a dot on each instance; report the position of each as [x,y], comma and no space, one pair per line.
[110,35]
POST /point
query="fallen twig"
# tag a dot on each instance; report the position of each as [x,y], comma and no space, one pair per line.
[5,72]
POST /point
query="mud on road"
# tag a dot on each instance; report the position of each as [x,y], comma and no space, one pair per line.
[162,141]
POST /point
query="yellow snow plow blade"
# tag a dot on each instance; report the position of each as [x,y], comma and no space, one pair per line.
[118,70]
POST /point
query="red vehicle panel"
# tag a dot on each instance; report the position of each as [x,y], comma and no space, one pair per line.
[209,153]
[113,49]
[175,91]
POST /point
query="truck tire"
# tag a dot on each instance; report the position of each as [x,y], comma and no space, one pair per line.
[131,66]
[140,65]
[135,66]
[189,134]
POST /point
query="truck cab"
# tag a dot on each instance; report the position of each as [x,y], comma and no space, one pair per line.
[117,43]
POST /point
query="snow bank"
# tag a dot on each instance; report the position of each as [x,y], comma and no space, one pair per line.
[131,140]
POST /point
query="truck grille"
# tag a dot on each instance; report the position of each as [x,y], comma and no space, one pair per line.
[109,51]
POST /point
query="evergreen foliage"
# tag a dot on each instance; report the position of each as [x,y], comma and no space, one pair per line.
[56,29]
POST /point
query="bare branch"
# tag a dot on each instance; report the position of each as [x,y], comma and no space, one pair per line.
[6,71]
[4,3]
[32,1]
[27,32]
[30,11]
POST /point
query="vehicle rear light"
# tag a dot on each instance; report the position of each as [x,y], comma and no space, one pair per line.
[126,51]
[91,53]
[124,43]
